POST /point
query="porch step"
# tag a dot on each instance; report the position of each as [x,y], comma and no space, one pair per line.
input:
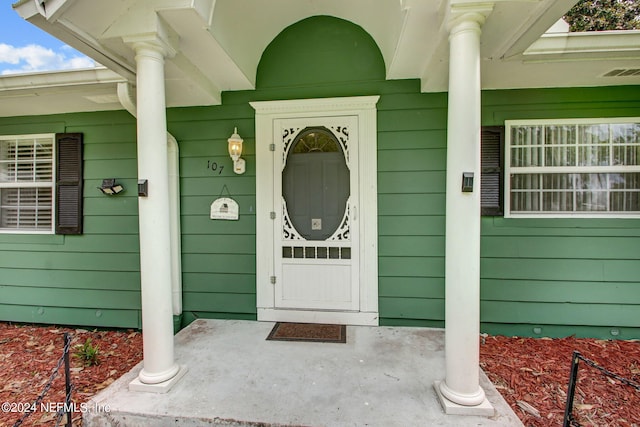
[382,376]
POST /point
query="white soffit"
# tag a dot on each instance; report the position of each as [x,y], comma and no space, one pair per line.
[244,28]
[509,29]
[515,24]
[569,59]
[220,42]
[59,92]
[587,45]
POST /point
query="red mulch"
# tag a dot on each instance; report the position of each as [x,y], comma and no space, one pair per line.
[532,374]
[28,355]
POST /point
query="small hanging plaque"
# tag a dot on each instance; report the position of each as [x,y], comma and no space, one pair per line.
[224,208]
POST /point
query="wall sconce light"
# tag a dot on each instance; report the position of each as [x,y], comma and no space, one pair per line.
[110,187]
[235,151]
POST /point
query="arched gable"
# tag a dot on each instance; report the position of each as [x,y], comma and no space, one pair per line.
[320,50]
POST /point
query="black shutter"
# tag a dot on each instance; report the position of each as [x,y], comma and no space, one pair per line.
[69,183]
[492,178]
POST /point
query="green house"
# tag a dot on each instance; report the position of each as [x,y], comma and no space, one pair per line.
[458,164]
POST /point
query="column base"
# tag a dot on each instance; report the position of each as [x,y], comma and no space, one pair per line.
[484,409]
[161,387]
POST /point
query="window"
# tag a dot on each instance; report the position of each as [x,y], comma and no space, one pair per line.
[41,183]
[582,167]
[26,183]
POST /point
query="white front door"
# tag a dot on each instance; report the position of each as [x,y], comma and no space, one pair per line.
[315,227]
[316,211]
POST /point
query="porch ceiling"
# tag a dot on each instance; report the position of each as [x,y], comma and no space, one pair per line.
[220,42]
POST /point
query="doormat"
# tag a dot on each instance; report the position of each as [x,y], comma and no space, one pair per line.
[310,332]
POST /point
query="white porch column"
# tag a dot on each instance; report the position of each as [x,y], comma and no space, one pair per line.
[460,392]
[159,368]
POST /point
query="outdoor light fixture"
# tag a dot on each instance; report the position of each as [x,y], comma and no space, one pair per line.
[235,151]
[110,187]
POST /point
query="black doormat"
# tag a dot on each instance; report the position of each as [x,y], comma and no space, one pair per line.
[310,332]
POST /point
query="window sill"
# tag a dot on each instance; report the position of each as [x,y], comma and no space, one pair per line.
[574,215]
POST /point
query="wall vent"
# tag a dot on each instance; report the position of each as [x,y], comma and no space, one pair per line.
[623,72]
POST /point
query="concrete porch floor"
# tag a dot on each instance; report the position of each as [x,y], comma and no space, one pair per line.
[382,376]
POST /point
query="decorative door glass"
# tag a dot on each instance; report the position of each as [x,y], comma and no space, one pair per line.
[315,189]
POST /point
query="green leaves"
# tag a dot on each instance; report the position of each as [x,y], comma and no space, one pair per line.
[602,15]
[87,353]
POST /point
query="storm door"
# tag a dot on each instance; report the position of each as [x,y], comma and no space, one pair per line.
[315,195]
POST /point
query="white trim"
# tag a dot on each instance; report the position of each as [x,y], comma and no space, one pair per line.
[508,169]
[589,121]
[595,215]
[15,231]
[29,135]
[317,107]
[35,184]
[621,43]
[311,316]
[266,113]
[34,82]
[576,169]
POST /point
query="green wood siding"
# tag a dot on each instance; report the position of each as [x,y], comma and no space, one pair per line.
[538,276]
[317,51]
[218,257]
[91,279]
[411,208]
[559,277]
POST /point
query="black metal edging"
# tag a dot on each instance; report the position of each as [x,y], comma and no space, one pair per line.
[571,391]
[37,404]
[67,378]
[568,420]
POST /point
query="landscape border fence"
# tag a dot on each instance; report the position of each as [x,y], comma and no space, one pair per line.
[569,420]
[66,407]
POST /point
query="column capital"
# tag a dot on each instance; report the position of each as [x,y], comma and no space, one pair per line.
[469,13]
[162,40]
[150,42]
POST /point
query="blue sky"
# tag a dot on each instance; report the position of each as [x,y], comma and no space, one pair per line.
[25,48]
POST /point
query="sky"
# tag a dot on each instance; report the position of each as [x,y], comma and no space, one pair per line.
[25,48]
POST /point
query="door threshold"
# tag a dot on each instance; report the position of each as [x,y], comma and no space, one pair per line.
[357,318]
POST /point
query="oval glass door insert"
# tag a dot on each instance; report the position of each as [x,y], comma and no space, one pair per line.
[315,183]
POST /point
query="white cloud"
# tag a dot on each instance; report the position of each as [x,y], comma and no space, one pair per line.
[33,58]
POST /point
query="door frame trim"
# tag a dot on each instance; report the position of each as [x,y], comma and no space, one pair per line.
[364,107]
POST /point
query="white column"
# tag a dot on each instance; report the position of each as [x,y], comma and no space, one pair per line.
[159,367]
[462,266]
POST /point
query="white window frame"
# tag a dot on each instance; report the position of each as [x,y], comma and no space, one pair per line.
[35,184]
[509,170]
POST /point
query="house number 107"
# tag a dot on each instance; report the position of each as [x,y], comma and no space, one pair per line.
[214,166]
